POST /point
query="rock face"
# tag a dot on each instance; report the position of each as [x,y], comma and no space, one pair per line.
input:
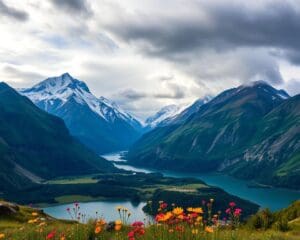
[251,132]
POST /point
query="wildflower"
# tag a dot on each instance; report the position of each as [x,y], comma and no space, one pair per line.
[177,211]
[68,209]
[195,210]
[232,204]
[51,235]
[209,229]
[163,205]
[119,208]
[211,200]
[2,235]
[34,214]
[42,224]
[137,224]
[228,210]
[237,212]
[98,229]
[195,231]
[118,225]
[118,222]
[101,222]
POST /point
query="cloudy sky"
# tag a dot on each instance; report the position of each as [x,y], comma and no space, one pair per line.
[151,53]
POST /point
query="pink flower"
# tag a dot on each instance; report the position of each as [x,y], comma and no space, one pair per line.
[237,212]
[68,209]
[228,210]
[232,204]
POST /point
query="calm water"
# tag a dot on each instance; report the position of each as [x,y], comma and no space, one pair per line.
[106,209]
[273,198]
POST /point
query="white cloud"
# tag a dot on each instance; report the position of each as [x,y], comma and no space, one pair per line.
[146,54]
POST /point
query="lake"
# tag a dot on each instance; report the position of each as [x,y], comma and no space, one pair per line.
[106,209]
[272,198]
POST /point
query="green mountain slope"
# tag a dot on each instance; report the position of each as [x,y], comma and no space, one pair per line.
[35,145]
[251,132]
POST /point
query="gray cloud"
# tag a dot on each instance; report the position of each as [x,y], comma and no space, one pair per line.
[176,92]
[252,34]
[132,94]
[228,26]
[12,12]
[22,76]
[73,6]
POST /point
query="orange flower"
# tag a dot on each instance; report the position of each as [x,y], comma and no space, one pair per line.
[98,230]
[177,210]
[2,235]
[118,227]
[209,229]
[34,214]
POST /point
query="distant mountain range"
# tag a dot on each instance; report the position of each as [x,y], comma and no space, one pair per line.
[35,145]
[97,122]
[252,131]
[174,113]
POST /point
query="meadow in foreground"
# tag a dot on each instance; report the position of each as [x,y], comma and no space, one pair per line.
[170,222]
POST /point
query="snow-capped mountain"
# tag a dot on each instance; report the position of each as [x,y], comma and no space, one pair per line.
[174,114]
[164,113]
[98,122]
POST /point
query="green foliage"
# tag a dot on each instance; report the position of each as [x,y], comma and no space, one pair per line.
[35,145]
[279,220]
[231,132]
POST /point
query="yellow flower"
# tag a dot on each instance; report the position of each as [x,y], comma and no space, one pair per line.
[195,231]
[42,224]
[119,208]
[209,229]
[199,219]
[195,210]
[98,230]
[62,238]
[118,222]
[2,235]
[34,214]
[31,221]
[177,210]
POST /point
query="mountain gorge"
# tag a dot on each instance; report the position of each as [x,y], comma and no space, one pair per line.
[35,145]
[97,122]
[250,132]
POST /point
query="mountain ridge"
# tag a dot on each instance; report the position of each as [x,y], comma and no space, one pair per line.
[222,133]
[97,122]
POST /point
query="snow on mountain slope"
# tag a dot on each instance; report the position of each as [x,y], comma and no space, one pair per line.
[97,122]
[166,112]
[61,89]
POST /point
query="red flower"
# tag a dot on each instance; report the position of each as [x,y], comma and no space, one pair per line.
[163,205]
[51,235]
[232,204]
[137,224]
